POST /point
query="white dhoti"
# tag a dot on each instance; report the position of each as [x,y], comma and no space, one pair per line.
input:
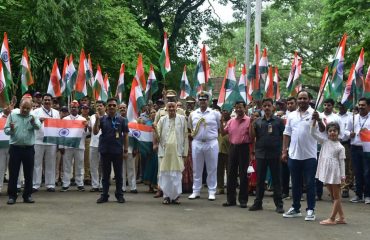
[171,184]
[205,152]
[95,171]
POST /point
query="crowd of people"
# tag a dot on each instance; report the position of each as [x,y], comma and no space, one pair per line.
[194,144]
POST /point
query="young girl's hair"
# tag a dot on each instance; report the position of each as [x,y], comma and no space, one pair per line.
[333,125]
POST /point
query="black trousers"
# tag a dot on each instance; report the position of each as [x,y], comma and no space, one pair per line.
[275,168]
[26,156]
[238,160]
[107,160]
[285,178]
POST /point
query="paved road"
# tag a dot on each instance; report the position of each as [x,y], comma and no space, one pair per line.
[75,215]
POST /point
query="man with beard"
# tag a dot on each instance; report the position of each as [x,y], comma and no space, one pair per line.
[302,156]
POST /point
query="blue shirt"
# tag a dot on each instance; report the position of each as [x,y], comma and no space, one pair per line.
[112,131]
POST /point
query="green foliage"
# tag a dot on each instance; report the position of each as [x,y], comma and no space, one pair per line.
[55,29]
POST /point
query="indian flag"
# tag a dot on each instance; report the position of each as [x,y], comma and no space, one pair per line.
[243,83]
[66,133]
[254,76]
[269,84]
[367,83]
[263,67]
[26,77]
[142,134]
[4,97]
[164,59]
[82,75]
[54,82]
[98,89]
[337,66]
[121,84]
[151,84]
[4,139]
[184,85]
[349,91]
[5,59]
[365,139]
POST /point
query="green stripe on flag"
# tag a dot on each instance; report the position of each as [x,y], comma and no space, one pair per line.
[63,141]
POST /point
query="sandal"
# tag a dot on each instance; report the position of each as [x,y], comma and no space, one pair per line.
[340,221]
[328,222]
[166,201]
[176,201]
[158,194]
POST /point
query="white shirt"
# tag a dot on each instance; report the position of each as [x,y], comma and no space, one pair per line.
[41,112]
[333,117]
[302,145]
[360,123]
[94,142]
[345,118]
[209,130]
[82,141]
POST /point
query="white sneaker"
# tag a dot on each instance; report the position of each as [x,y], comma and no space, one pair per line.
[194,196]
[356,199]
[292,213]
[211,197]
[367,200]
[310,215]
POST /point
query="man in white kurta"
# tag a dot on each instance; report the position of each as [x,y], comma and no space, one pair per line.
[44,151]
[173,147]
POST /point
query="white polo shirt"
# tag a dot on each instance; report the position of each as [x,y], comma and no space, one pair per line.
[345,118]
[302,145]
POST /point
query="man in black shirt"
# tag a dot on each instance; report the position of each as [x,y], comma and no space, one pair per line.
[113,142]
[268,134]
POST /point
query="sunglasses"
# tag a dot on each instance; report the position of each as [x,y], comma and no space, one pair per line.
[112,105]
[203,99]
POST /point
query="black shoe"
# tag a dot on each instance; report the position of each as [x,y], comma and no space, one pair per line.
[81,188]
[28,200]
[64,189]
[10,201]
[50,189]
[102,200]
[94,190]
[134,191]
[121,200]
[34,190]
[279,210]
[229,204]
[255,207]
[243,205]
[345,194]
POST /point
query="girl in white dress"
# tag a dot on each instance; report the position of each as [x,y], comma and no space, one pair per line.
[330,168]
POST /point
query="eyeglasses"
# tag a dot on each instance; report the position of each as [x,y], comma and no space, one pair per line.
[112,105]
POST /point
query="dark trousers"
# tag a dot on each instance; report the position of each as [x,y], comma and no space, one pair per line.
[238,159]
[285,178]
[361,167]
[26,156]
[306,168]
[107,160]
[221,166]
[275,168]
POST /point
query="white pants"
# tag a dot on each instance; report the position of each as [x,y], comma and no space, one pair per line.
[4,158]
[77,155]
[171,184]
[58,162]
[95,169]
[128,169]
[47,153]
[205,152]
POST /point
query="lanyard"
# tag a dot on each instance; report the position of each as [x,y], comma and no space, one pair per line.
[362,124]
[49,113]
[114,122]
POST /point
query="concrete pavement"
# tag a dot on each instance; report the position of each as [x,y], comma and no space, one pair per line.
[75,215]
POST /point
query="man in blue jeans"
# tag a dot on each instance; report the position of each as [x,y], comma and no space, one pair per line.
[360,158]
[302,156]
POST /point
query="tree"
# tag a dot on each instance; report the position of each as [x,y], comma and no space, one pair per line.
[55,29]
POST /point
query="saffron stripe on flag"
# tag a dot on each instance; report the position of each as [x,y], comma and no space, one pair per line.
[62,123]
